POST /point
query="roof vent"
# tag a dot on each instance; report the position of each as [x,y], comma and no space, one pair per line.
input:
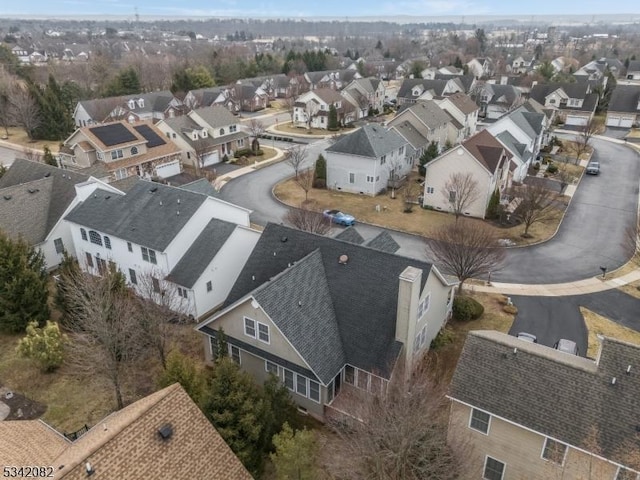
[283,239]
[48,174]
[153,189]
[253,277]
[299,303]
[7,197]
[178,201]
[89,468]
[628,369]
[274,254]
[160,202]
[613,381]
[33,190]
[343,259]
[165,431]
[178,212]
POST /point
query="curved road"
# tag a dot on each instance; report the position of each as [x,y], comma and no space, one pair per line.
[591,235]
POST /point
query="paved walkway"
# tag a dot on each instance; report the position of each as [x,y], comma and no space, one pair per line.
[223,179]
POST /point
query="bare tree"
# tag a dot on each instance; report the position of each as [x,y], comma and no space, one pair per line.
[411,192]
[106,334]
[583,140]
[290,103]
[305,181]
[295,157]
[108,109]
[466,249]
[256,128]
[308,220]
[536,205]
[32,154]
[25,110]
[6,108]
[201,148]
[460,190]
[565,178]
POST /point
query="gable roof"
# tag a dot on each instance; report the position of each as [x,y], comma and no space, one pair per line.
[410,134]
[429,113]
[29,442]
[553,393]
[202,185]
[573,90]
[502,94]
[39,195]
[383,242]
[625,98]
[408,84]
[149,214]
[370,141]
[204,248]
[486,149]
[463,103]
[351,235]
[512,144]
[328,95]
[216,116]
[363,292]
[465,80]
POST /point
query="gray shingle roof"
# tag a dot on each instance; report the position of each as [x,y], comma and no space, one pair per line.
[384,242]
[634,66]
[216,116]
[573,90]
[503,94]
[205,247]
[405,89]
[351,235]
[24,209]
[515,147]
[60,193]
[429,113]
[202,185]
[465,80]
[556,394]
[363,293]
[369,141]
[411,134]
[150,214]
[625,98]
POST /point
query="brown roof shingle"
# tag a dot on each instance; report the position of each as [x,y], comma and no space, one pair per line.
[486,149]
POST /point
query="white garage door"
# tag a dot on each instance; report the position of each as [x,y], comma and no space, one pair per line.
[619,121]
[211,159]
[576,120]
[168,169]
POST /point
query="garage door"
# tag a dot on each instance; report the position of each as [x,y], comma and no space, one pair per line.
[619,121]
[168,169]
[211,159]
[576,120]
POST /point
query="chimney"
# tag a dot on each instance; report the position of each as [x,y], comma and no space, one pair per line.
[406,314]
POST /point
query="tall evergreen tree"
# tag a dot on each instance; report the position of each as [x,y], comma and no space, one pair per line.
[125,83]
[332,122]
[56,121]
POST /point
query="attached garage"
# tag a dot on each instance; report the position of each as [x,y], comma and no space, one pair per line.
[168,169]
[617,120]
[579,120]
[211,159]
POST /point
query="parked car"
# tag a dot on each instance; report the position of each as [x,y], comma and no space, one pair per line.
[528,337]
[336,216]
[593,168]
[566,346]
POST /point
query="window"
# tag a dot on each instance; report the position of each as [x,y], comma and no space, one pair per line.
[232,128]
[288,379]
[132,276]
[121,173]
[182,292]
[480,421]
[423,306]
[493,469]
[401,151]
[554,451]
[363,380]
[134,150]
[168,135]
[301,385]
[89,260]
[189,155]
[352,178]
[383,160]
[94,237]
[552,101]
[148,255]
[349,375]
[129,247]
[249,327]
[369,179]
[99,155]
[156,284]
[222,131]
[263,332]
[235,354]
[102,265]
[59,246]
[83,234]
[452,196]
[209,286]
[271,367]
[429,189]
[420,340]
[107,242]
[314,391]
[115,154]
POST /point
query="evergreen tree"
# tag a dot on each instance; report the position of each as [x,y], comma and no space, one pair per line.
[48,157]
[294,457]
[67,270]
[222,347]
[44,345]
[457,62]
[23,286]
[321,168]
[279,409]
[379,45]
[125,83]
[429,154]
[332,122]
[185,371]
[494,204]
[55,114]
[191,78]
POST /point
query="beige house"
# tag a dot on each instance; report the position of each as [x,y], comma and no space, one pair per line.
[118,150]
[484,158]
[311,109]
[463,110]
[527,411]
[162,436]
[329,317]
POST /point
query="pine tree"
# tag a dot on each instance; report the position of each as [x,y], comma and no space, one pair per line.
[429,154]
[494,203]
[23,286]
[332,122]
[294,457]
[185,371]
[222,347]
[67,270]
[44,345]
[125,83]
[321,168]
[55,115]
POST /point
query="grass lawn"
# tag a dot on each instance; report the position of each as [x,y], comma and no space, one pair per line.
[289,128]
[420,221]
[19,137]
[599,325]
[572,169]
[268,154]
[632,289]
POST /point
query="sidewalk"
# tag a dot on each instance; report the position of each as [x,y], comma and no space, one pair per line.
[223,179]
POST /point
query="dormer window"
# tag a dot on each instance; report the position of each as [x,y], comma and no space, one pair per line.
[222,131]
[141,103]
[194,135]
[204,133]
[132,104]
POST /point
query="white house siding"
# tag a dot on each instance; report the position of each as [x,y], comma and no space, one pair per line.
[63,232]
[82,118]
[457,160]
[223,270]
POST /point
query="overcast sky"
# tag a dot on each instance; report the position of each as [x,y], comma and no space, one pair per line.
[313,8]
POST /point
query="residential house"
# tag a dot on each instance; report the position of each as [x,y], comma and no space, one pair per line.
[574,103]
[414,90]
[205,135]
[463,110]
[152,107]
[35,197]
[207,97]
[522,66]
[594,73]
[251,98]
[430,73]
[311,109]
[366,93]
[481,156]
[328,317]
[163,436]
[117,150]
[633,70]
[331,79]
[21,53]
[425,122]
[468,82]
[165,239]
[366,160]
[481,67]
[276,86]
[495,100]
[612,65]
[624,107]
[525,410]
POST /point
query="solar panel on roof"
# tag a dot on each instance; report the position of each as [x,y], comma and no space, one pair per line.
[113,134]
[153,139]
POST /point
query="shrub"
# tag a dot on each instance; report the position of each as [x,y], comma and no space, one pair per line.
[319,183]
[511,309]
[536,166]
[445,337]
[243,152]
[43,345]
[225,158]
[466,308]
[552,168]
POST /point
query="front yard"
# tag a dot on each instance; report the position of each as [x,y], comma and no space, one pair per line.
[18,137]
[390,213]
[289,128]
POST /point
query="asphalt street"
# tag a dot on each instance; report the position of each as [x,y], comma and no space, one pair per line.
[7,156]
